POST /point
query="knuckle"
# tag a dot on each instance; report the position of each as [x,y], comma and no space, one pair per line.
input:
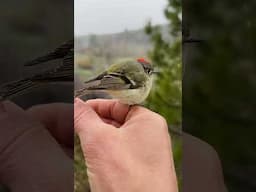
[79,117]
[96,145]
[92,152]
[99,138]
[92,145]
[90,148]
[162,122]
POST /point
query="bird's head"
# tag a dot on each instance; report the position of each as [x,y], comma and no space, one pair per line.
[147,66]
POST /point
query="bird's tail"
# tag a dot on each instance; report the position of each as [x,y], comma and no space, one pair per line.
[80,92]
[14,88]
[86,94]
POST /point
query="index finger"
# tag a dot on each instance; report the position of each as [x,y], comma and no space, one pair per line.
[110,109]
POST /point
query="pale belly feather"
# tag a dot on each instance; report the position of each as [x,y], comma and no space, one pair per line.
[132,96]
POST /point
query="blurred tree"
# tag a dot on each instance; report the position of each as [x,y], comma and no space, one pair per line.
[166,95]
[219,85]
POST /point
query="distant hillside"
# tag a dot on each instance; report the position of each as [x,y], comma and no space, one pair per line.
[125,40]
[95,52]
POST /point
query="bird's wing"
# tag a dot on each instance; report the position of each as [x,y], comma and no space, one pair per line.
[59,52]
[60,74]
[14,88]
[110,81]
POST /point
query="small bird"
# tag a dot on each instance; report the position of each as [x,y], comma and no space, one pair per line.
[61,73]
[128,80]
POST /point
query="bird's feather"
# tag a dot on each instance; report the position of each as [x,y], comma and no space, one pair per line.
[110,81]
[15,88]
[58,53]
[62,73]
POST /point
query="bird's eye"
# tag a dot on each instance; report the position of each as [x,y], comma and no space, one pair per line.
[148,71]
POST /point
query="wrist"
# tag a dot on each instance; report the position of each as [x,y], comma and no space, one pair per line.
[135,181]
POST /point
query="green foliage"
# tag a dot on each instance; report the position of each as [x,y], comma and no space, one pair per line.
[81,179]
[166,57]
[166,95]
[219,85]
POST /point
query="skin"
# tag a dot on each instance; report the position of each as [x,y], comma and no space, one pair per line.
[36,148]
[120,155]
[26,166]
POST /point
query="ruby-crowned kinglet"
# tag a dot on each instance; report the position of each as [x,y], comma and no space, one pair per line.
[129,81]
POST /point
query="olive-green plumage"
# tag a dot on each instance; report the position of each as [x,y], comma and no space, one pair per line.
[128,80]
[132,70]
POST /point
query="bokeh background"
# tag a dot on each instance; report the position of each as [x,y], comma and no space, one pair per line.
[219,88]
[112,30]
[30,29]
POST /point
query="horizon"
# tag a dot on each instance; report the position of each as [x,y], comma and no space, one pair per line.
[116,33]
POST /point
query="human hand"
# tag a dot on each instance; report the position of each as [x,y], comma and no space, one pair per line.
[125,148]
[31,156]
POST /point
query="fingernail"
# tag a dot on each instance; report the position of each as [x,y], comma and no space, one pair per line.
[77,100]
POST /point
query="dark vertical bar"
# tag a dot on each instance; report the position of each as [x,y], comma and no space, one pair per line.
[36,95]
[219,96]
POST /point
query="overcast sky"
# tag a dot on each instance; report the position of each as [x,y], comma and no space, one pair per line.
[111,16]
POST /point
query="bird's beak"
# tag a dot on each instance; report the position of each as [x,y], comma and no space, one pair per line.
[156,72]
